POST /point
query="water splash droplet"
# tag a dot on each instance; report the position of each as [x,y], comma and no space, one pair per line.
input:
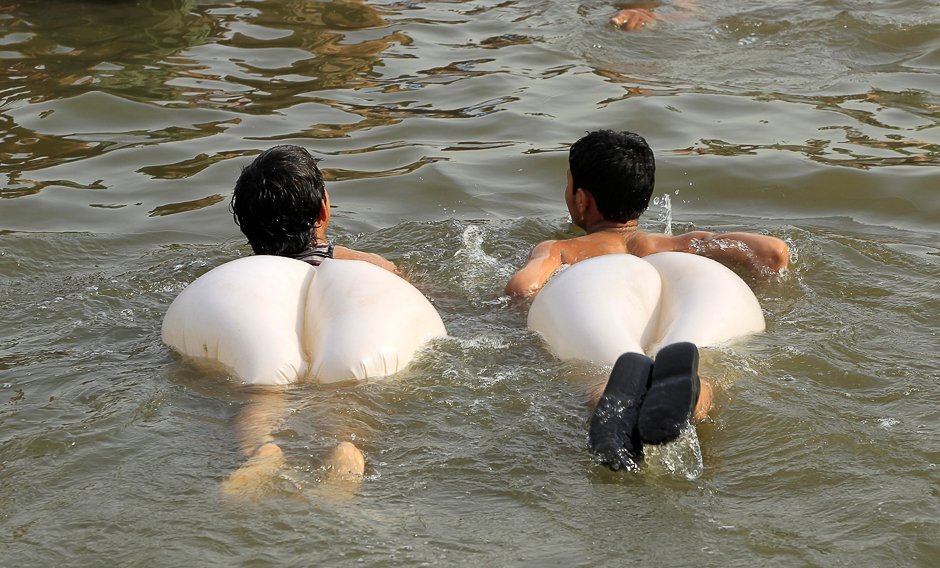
[665,212]
[681,458]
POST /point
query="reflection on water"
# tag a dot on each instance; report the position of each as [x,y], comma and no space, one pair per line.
[872,139]
[444,128]
[62,49]
[171,208]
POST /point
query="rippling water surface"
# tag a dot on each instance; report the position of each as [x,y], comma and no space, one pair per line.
[443,128]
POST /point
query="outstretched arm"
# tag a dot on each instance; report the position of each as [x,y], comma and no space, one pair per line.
[760,253]
[543,261]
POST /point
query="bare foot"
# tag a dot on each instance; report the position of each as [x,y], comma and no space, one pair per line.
[706,396]
[632,19]
[345,461]
[255,478]
[593,393]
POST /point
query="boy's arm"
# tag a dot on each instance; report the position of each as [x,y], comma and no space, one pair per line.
[344,253]
[543,261]
[759,252]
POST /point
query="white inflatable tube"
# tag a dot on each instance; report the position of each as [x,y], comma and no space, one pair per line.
[272,320]
[599,308]
[703,302]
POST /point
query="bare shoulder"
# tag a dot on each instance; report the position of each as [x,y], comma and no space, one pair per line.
[344,253]
[544,259]
[546,251]
[588,246]
[651,243]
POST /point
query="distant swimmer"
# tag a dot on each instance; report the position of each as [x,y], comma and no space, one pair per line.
[637,15]
[609,184]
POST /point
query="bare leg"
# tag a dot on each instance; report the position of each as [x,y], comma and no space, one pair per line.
[260,416]
[706,398]
[263,411]
[345,461]
[594,392]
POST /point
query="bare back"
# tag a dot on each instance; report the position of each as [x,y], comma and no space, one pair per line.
[758,252]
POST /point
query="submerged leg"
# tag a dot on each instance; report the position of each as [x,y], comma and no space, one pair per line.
[706,400]
[261,413]
[345,461]
[255,478]
[672,395]
[613,436]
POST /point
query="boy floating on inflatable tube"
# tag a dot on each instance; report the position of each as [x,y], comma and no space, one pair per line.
[610,182]
[281,205]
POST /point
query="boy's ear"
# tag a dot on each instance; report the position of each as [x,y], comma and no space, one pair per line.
[323,218]
[582,200]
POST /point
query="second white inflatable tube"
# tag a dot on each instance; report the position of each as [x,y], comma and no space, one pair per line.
[703,302]
[598,308]
[602,307]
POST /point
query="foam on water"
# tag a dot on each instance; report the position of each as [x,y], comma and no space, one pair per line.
[477,272]
[681,458]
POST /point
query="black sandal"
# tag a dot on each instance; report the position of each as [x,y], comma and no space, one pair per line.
[613,436]
[672,394]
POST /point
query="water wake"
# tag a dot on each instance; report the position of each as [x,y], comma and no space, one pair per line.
[682,458]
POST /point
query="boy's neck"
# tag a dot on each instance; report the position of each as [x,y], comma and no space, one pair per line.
[319,234]
[605,226]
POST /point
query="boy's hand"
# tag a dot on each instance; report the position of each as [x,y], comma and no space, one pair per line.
[632,19]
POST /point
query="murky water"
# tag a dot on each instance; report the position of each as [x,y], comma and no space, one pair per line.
[444,128]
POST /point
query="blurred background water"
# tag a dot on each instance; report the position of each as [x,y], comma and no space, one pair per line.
[443,128]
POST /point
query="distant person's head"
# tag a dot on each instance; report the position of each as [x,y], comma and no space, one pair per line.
[617,169]
[640,4]
[279,201]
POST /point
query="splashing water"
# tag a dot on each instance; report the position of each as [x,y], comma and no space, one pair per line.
[478,272]
[665,212]
[680,458]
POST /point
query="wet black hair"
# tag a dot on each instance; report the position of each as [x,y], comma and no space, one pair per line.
[618,169]
[277,200]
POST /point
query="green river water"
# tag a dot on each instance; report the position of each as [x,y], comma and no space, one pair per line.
[443,128]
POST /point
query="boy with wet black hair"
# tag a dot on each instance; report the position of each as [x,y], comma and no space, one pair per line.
[281,205]
[611,177]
